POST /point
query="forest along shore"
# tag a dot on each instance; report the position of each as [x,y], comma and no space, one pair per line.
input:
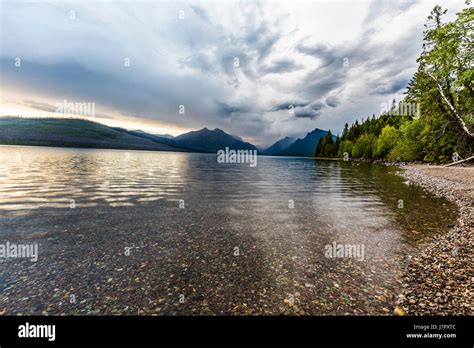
[439,280]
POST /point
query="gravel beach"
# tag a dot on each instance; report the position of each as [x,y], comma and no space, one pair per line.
[439,280]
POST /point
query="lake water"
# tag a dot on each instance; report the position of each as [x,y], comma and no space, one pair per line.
[136,232]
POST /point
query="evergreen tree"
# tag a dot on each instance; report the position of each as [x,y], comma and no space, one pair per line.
[442,93]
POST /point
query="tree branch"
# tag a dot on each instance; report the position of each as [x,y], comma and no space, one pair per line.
[452,108]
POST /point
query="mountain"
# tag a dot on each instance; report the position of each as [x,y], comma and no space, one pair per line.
[236,137]
[65,132]
[68,132]
[157,138]
[206,140]
[166,136]
[279,146]
[304,147]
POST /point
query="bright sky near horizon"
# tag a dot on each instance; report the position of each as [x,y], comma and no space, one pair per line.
[234,65]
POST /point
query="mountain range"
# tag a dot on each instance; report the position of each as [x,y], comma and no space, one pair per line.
[279,146]
[304,147]
[64,132]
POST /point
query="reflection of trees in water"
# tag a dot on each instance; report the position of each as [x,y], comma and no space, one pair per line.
[418,213]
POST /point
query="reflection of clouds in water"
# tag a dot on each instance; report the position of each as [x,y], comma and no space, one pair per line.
[46,177]
[281,249]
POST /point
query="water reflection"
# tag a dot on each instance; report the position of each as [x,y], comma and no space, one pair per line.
[279,215]
[35,177]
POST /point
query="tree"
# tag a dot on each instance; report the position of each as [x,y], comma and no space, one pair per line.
[408,148]
[447,60]
[365,146]
[387,141]
[442,93]
[345,146]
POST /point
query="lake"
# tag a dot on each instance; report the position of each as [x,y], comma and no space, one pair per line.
[138,232]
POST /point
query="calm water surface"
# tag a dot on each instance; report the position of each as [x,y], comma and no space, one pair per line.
[135,232]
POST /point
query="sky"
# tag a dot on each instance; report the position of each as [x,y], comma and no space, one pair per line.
[260,70]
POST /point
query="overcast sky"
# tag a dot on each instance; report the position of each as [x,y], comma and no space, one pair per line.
[234,65]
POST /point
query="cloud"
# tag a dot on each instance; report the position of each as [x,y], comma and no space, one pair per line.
[288,104]
[229,109]
[309,111]
[39,105]
[390,87]
[234,65]
[281,66]
[378,9]
[200,61]
[319,50]
[332,101]
[201,13]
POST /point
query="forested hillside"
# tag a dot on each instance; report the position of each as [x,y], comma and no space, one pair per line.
[435,120]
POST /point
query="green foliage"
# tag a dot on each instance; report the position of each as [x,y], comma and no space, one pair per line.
[408,148]
[365,146]
[442,93]
[327,147]
[386,141]
[346,146]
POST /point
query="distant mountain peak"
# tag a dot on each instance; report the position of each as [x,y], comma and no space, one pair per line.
[279,146]
[306,146]
[57,132]
[317,130]
[207,140]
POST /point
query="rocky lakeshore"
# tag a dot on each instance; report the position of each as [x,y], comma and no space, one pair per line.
[439,280]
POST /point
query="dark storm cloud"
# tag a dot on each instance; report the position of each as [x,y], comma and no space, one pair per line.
[286,105]
[322,85]
[192,61]
[309,111]
[227,109]
[321,82]
[319,50]
[262,39]
[251,49]
[391,87]
[280,66]
[75,83]
[316,105]
[234,59]
[332,101]
[243,52]
[331,74]
[259,35]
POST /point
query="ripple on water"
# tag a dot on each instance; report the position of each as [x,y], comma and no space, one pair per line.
[281,214]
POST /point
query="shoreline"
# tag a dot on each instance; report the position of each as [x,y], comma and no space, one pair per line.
[439,279]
